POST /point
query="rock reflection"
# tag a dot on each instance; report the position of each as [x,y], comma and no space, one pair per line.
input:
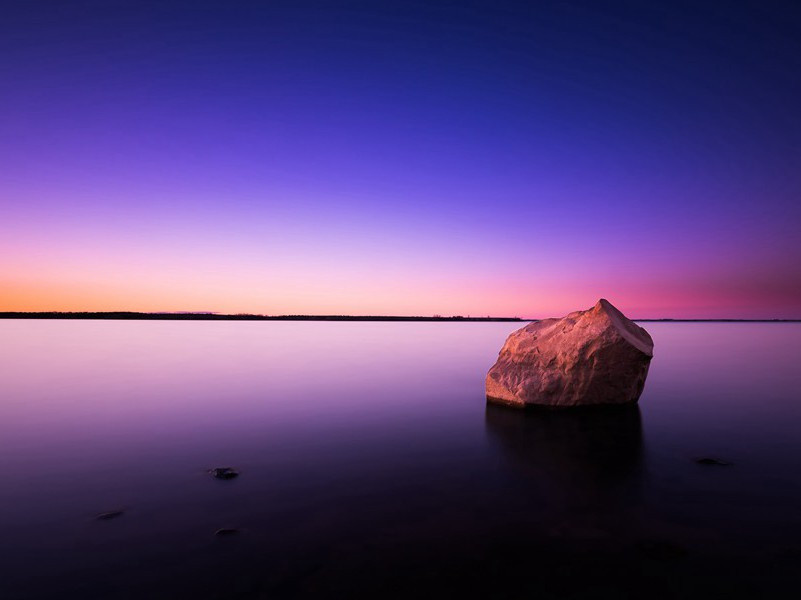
[587,460]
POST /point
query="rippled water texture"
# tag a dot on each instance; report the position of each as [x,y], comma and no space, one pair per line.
[370,463]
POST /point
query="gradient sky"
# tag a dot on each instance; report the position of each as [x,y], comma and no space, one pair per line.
[401,157]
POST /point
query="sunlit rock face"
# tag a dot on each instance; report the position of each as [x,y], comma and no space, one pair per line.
[588,358]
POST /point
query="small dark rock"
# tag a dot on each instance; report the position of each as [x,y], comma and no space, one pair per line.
[660,550]
[224,473]
[226,531]
[712,461]
[107,516]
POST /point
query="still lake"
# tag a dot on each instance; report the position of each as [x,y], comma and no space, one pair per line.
[370,463]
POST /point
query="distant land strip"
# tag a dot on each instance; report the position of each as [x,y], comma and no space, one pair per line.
[204,316]
[182,316]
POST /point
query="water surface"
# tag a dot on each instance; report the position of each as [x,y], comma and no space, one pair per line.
[371,464]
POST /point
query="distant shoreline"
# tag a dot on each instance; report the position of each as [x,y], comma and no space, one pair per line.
[139,316]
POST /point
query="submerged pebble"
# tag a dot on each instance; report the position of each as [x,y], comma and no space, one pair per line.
[226,531]
[224,473]
[712,461]
[112,514]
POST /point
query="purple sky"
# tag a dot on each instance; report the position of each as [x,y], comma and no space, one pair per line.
[411,158]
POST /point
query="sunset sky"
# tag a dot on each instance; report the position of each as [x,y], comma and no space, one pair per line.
[410,158]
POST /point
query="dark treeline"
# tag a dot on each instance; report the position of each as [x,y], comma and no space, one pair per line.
[717,320]
[138,316]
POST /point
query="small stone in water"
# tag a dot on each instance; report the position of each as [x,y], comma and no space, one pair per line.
[224,473]
[712,461]
[225,531]
[112,514]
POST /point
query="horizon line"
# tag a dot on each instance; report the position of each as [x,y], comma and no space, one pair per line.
[215,316]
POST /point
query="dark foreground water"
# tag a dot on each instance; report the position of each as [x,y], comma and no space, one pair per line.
[370,464]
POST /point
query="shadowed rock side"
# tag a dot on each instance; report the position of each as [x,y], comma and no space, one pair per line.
[588,358]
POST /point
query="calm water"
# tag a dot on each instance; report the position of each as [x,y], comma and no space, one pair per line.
[371,464]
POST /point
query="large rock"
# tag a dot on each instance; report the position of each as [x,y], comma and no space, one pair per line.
[588,358]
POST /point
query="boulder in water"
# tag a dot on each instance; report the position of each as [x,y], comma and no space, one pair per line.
[588,358]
